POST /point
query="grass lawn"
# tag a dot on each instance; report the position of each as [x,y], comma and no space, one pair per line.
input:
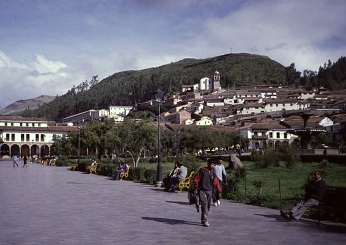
[292,181]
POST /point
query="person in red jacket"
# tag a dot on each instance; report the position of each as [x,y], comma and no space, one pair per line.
[204,182]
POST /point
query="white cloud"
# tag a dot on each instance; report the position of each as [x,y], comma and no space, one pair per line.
[42,65]
[40,77]
[7,63]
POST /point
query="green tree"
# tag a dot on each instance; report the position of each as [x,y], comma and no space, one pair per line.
[136,137]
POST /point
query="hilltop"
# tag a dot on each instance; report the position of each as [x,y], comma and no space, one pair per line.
[19,106]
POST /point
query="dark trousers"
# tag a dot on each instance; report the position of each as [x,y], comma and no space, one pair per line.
[205,200]
[172,182]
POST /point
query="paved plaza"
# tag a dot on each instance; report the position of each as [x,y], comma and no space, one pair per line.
[53,205]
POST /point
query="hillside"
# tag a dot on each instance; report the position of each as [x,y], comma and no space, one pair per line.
[131,87]
[20,106]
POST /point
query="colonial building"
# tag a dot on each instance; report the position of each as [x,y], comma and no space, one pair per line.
[29,136]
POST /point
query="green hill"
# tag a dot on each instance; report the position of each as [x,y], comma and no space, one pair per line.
[131,87]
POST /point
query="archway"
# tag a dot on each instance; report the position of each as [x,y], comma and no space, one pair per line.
[25,150]
[4,150]
[15,150]
[44,151]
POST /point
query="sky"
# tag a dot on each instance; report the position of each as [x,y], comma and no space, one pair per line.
[48,46]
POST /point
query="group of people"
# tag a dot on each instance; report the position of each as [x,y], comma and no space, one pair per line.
[16,160]
[208,187]
[123,167]
[177,174]
[207,184]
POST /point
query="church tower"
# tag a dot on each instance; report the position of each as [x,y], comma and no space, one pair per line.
[216,81]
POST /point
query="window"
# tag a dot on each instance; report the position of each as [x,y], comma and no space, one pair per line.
[20,124]
[27,137]
[5,123]
[37,137]
[42,137]
[13,137]
[7,137]
[270,134]
[22,137]
[27,124]
[278,135]
[285,135]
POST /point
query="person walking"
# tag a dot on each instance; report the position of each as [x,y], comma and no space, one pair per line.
[25,159]
[15,161]
[220,173]
[204,183]
[314,192]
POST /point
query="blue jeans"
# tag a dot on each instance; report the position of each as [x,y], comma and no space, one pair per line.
[299,209]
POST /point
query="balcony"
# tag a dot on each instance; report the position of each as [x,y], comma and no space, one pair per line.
[257,137]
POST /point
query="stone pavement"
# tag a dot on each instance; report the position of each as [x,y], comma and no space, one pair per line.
[52,205]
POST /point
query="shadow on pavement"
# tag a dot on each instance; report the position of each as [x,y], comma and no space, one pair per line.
[272,216]
[180,203]
[171,221]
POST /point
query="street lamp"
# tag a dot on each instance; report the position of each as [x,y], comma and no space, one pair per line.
[78,143]
[158,98]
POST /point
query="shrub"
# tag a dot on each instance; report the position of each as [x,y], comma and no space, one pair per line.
[62,161]
[138,174]
[289,156]
[150,176]
[191,162]
[105,169]
[268,158]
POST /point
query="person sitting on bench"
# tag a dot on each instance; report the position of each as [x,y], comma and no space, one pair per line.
[314,193]
[170,175]
[123,168]
[181,175]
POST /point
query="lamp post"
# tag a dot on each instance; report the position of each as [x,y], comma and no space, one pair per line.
[158,98]
[78,143]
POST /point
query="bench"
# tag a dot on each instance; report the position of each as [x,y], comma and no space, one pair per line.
[52,162]
[92,168]
[332,206]
[124,174]
[74,166]
[186,183]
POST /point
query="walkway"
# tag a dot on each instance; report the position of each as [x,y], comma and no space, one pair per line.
[52,205]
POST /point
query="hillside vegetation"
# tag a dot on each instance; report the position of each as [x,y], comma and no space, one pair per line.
[131,87]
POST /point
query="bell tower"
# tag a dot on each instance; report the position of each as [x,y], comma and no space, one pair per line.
[216,81]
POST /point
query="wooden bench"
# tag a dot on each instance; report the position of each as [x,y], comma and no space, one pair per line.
[74,166]
[332,206]
[186,183]
[124,174]
[53,162]
[92,169]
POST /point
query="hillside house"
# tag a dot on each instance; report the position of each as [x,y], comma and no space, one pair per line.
[177,117]
[204,121]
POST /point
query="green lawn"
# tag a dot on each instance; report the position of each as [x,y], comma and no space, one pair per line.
[292,181]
